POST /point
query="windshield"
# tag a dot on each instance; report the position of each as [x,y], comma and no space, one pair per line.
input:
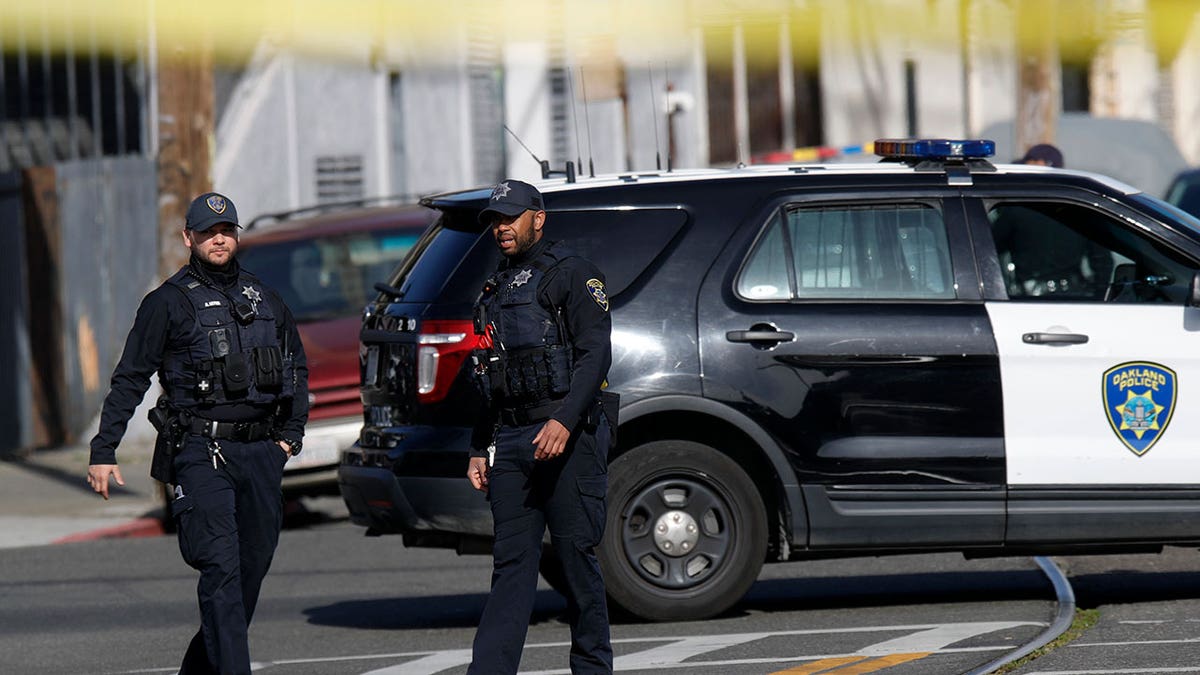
[1168,211]
[328,277]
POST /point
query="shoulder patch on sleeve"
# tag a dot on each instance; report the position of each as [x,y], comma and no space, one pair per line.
[596,288]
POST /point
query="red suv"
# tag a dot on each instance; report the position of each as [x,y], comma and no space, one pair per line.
[325,267]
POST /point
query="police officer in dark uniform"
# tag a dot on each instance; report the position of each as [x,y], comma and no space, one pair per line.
[1046,256]
[234,405]
[541,451]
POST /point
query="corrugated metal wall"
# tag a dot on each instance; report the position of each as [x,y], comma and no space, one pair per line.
[109,212]
[16,383]
[92,235]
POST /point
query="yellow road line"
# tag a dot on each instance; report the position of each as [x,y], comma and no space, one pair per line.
[820,666]
[880,663]
[851,665]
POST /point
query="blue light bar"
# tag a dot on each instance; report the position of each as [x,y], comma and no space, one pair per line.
[934,148]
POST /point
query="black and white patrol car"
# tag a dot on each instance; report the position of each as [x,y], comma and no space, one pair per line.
[929,353]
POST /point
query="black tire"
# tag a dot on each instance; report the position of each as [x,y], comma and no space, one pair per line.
[673,484]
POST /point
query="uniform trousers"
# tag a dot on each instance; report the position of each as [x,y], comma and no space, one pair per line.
[228,521]
[566,495]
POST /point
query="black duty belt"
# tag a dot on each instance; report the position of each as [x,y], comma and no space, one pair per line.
[524,416]
[245,432]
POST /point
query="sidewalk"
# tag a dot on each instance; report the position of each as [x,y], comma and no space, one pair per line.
[45,499]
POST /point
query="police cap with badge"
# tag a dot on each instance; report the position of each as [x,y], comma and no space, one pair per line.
[511,198]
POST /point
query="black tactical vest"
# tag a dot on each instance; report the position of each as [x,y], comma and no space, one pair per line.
[530,355]
[232,354]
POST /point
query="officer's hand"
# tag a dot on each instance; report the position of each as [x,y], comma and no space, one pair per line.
[551,440]
[477,472]
[287,449]
[98,477]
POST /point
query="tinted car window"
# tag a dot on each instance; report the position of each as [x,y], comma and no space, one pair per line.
[620,243]
[441,256]
[874,252]
[1056,252]
[330,276]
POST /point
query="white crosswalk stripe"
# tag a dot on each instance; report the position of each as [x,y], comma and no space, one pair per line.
[672,652]
[435,662]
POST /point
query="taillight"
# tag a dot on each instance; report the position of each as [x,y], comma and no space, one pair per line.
[443,346]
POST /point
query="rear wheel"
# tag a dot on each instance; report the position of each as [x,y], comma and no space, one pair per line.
[686,533]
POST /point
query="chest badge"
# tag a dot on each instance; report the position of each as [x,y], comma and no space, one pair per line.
[253,296]
[1139,399]
[521,279]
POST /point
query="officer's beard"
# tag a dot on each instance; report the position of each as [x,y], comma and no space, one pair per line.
[524,245]
[223,275]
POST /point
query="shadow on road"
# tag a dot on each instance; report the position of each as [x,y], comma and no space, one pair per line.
[882,590]
[787,595]
[1134,586]
[438,611]
[773,595]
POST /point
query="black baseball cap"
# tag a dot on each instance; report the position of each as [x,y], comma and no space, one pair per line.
[511,198]
[1044,152]
[210,208]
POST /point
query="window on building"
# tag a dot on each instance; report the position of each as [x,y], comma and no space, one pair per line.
[339,178]
[1076,90]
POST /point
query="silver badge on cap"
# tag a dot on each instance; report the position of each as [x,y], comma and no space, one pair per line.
[216,203]
[501,190]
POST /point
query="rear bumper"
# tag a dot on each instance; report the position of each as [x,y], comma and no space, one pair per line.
[418,488]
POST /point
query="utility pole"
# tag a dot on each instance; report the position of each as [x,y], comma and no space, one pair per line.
[185,148]
[1039,77]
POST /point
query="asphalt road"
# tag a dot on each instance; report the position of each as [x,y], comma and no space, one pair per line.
[338,602]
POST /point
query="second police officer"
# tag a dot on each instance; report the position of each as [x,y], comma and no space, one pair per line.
[234,406]
[541,450]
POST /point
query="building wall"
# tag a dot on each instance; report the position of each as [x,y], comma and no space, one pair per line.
[288,111]
[420,121]
[1184,74]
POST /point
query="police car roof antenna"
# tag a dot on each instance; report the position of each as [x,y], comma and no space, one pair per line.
[667,108]
[654,119]
[544,163]
[587,122]
[574,117]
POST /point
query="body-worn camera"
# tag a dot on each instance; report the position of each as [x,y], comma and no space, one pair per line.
[218,342]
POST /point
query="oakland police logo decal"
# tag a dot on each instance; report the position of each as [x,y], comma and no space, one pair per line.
[216,203]
[596,288]
[1139,398]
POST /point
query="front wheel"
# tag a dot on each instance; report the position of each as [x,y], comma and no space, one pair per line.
[686,533]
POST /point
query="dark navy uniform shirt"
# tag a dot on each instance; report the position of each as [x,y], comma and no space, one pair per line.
[589,332]
[165,316]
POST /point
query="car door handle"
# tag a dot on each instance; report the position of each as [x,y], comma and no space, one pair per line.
[760,336]
[1054,338]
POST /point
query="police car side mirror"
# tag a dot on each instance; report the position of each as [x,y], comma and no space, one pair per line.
[1193,297]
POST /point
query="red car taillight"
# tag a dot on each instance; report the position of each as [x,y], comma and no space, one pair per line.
[442,348]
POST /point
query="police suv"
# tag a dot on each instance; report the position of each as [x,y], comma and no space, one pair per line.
[929,353]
